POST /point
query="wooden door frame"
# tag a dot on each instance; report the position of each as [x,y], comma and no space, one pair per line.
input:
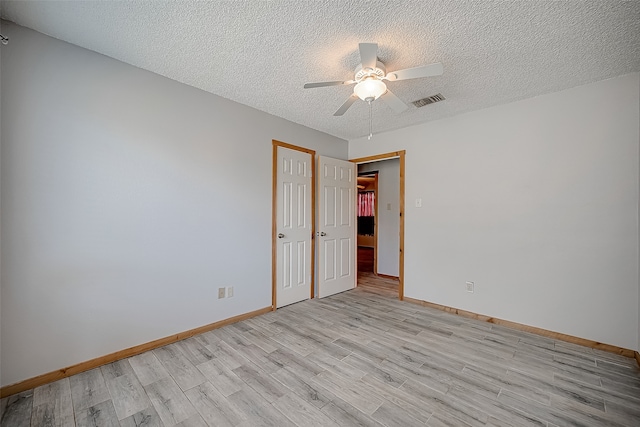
[375,224]
[387,156]
[274,214]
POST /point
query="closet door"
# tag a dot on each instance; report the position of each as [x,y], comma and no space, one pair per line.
[337,226]
[293,226]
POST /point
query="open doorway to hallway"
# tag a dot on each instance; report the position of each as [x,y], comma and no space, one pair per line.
[379,226]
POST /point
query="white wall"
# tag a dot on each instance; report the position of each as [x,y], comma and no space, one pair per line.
[388,213]
[536,202]
[127,199]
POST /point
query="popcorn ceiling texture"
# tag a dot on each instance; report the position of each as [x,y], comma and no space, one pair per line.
[261,53]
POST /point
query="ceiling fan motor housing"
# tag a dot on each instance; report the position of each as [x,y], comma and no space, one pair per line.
[378,72]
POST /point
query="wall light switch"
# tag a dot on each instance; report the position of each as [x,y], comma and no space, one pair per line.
[418,203]
[221,293]
[388,206]
[229,291]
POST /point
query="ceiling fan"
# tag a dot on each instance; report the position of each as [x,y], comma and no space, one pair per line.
[369,76]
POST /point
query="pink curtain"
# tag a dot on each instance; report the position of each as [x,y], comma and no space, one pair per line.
[366,204]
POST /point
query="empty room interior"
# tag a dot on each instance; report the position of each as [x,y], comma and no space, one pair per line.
[331,213]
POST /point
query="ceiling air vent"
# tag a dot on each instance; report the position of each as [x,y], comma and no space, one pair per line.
[429,100]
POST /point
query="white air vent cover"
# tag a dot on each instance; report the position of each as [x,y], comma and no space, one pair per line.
[429,100]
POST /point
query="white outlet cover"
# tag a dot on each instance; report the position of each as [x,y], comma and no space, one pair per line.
[418,203]
[470,286]
[229,291]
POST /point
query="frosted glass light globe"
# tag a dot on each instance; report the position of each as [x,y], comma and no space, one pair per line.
[370,88]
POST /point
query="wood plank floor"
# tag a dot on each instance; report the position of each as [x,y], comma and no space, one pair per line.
[383,286]
[365,259]
[359,358]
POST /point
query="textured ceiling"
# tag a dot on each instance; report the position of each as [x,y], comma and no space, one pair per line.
[261,53]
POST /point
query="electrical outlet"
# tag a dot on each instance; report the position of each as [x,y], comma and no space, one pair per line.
[469,286]
[229,291]
[220,293]
[418,203]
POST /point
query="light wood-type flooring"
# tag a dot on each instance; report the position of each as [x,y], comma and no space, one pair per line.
[382,286]
[359,358]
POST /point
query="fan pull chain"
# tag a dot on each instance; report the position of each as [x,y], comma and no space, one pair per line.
[370,122]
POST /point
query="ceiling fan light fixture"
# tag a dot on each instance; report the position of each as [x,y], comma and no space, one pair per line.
[370,89]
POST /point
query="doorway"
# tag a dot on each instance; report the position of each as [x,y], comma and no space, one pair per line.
[347,219]
[367,221]
[388,266]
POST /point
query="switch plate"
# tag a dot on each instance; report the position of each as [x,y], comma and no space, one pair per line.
[418,203]
[388,206]
[470,286]
[221,293]
[229,291]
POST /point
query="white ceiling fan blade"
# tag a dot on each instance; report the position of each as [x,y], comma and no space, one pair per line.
[323,84]
[369,54]
[393,101]
[430,70]
[353,98]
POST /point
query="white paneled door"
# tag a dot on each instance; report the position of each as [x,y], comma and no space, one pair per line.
[293,226]
[336,226]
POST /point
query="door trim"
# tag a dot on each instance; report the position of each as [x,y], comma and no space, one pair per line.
[274,214]
[386,156]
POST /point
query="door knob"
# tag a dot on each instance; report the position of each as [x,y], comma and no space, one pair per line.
[322,233]
[280,235]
